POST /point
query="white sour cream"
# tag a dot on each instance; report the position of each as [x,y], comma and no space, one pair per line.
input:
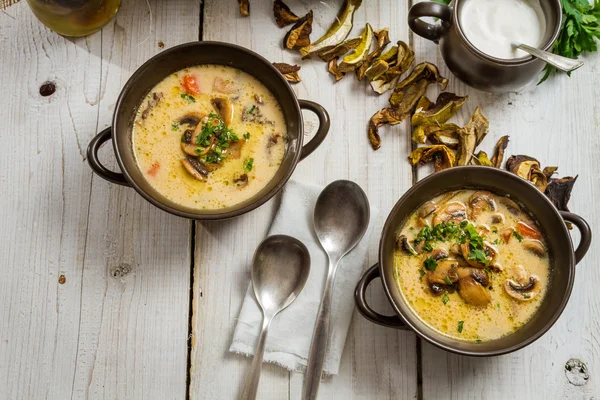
[492,25]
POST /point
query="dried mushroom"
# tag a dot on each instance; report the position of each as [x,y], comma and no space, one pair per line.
[446,134]
[386,116]
[332,67]
[244,7]
[409,90]
[559,191]
[380,86]
[441,156]
[299,36]
[499,152]
[337,32]
[482,158]
[446,105]
[470,136]
[360,53]
[340,49]
[290,72]
[376,69]
[549,171]
[528,168]
[283,15]
[383,38]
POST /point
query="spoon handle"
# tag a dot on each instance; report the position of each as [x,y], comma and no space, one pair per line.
[318,347]
[251,385]
[563,63]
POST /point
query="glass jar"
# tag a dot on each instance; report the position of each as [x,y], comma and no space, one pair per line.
[74,17]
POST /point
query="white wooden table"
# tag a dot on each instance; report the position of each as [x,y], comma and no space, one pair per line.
[104,296]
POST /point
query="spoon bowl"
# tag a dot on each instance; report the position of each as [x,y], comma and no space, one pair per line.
[280,268]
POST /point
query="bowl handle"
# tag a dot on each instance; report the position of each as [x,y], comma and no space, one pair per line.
[429,9]
[366,310]
[96,165]
[584,229]
[324,124]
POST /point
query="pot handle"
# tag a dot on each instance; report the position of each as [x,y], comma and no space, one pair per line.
[584,230]
[324,124]
[424,29]
[96,165]
[366,310]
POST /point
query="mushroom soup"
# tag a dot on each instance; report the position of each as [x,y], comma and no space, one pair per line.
[209,137]
[473,265]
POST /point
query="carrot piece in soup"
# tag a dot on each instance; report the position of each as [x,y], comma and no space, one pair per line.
[527,231]
[153,170]
[190,85]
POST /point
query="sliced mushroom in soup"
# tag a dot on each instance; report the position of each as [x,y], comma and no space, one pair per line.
[472,256]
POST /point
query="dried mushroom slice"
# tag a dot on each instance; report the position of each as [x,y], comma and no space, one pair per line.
[499,151]
[290,72]
[332,67]
[559,191]
[404,59]
[446,134]
[299,36]
[446,105]
[422,75]
[442,156]
[283,15]
[380,86]
[386,116]
[383,38]
[549,171]
[354,59]
[482,159]
[337,32]
[244,7]
[340,49]
[423,104]
[528,168]
[470,136]
[376,69]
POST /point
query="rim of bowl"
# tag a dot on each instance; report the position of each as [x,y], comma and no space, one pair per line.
[227,212]
[431,335]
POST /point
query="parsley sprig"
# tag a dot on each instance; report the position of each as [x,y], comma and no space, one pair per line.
[215,129]
[579,31]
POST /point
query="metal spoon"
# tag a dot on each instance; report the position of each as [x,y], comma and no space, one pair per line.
[341,219]
[279,271]
[563,63]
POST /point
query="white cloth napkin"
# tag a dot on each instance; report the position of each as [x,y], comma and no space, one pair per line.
[291,331]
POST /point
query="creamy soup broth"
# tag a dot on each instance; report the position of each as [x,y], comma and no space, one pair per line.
[463,293]
[227,168]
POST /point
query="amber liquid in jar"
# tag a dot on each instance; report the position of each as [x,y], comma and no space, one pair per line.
[74,17]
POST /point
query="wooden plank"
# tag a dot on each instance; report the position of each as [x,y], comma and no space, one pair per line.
[135,286]
[556,122]
[377,362]
[45,203]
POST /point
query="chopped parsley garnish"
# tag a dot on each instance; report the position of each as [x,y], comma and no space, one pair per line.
[464,224]
[445,297]
[526,296]
[494,229]
[497,241]
[448,281]
[175,127]
[251,109]
[215,133]
[247,135]
[460,326]
[518,236]
[188,97]
[479,255]
[248,164]
[430,264]
[422,272]
[477,340]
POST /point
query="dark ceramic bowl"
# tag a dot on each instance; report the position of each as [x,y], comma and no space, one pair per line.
[187,55]
[469,64]
[563,257]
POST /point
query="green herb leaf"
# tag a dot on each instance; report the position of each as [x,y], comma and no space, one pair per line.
[448,282]
[430,264]
[251,110]
[422,272]
[445,297]
[247,135]
[526,296]
[460,326]
[248,164]
[497,241]
[518,236]
[188,97]
[175,127]
[477,340]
